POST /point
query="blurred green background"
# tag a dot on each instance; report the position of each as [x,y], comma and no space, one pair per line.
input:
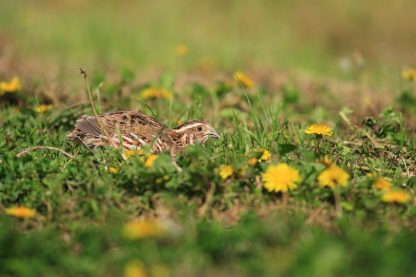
[241,231]
[324,36]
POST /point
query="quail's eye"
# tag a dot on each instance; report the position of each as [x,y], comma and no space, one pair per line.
[199,128]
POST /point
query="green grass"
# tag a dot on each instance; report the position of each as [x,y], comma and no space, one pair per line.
[307,68]
[231,226]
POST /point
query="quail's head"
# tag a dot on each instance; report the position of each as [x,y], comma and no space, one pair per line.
[196,131]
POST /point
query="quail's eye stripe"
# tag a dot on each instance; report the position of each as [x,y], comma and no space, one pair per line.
[185,127]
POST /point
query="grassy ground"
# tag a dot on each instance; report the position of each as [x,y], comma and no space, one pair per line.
[100,215]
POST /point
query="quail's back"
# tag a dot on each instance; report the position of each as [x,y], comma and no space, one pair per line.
[130,130]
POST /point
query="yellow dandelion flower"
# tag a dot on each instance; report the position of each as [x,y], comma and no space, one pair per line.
[181,50]
[113,169]
[206,64]
[252,161]
[333,176]
[382,184]
[319,129]
[160,270]
[42,108]
[155,93]
[150,160]
[396,196]
[179,121]
[131,152]
[21,212]
[134,269]
[128,153]
[243,170]
[326,161]
[12,86]
[161,179]
[139,229]
[409,74]
[280,177]
[266,155]
[244,79]
[225,171]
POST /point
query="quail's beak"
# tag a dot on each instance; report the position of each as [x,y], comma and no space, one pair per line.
[213,134]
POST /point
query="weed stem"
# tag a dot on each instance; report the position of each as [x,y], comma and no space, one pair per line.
[94,110]
[27,150]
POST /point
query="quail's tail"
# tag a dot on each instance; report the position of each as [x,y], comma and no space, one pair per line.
[75,134]
[86,129]
[89,125]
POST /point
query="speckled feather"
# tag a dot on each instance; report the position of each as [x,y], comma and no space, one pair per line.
[129,129]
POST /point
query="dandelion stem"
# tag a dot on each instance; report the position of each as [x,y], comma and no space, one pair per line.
[208,200]
[337,200]
[285,197]
[318,149]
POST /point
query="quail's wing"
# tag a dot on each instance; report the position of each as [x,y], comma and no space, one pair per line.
[128,125]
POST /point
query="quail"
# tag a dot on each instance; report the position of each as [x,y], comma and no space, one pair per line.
[132,130]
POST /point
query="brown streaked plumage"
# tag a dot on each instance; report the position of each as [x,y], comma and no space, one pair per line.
[132,130]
